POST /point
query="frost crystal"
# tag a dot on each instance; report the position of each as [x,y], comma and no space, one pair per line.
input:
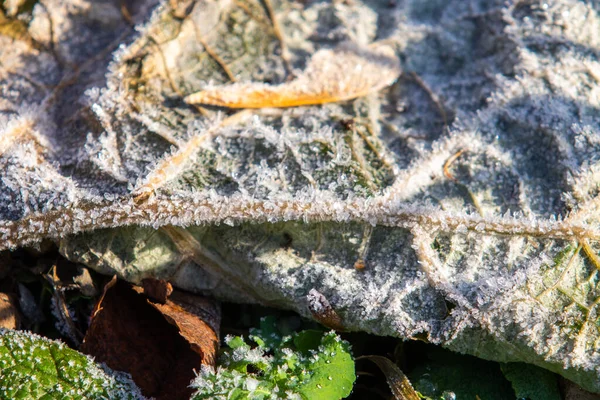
[461,202]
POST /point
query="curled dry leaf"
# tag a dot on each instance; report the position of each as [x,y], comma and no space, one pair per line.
[131,334]
[343,73]
[197,318]
[9,313]
[198,321]
[157,290]
[84,282]
[322,310]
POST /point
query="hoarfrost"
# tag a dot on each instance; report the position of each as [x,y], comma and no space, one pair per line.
[460,203]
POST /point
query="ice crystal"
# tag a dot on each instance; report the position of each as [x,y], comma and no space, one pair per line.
[459,203]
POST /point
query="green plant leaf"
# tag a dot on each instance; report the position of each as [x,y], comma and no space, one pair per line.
[33,367]
[268,336]
[308,365]
[331,370]
[443,372]
[308,340]
[531,382]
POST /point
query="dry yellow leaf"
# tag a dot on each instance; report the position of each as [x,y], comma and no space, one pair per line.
[339,74]
[15,29]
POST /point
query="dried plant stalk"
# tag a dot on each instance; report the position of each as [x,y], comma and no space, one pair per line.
[174,164]
[344,73]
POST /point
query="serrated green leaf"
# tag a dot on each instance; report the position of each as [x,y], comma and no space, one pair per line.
[32,367]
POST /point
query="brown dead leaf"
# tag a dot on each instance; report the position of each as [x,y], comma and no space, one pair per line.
[9,313]
[197,319]
[322,311]
[344,73]
[157,290]
[84,281]
[130,333]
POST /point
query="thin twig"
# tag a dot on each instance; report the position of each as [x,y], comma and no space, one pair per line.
[213,54]
[449,162]
[590,253]
[434,98]
[285,53]
[174,163]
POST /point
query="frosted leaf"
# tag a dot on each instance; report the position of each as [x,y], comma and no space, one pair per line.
[34,367]
[458,203]
[341,74]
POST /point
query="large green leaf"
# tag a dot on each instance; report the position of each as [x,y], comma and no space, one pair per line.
[468,190]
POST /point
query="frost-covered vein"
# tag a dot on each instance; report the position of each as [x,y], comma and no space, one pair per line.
[562,276]
[24,128]
[210,208]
